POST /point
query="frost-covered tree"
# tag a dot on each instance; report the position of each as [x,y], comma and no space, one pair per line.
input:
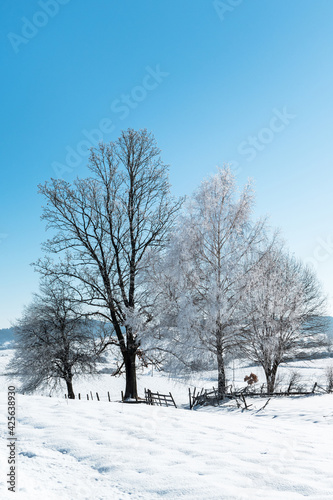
[283,311]
[53,341]
[202,277]
[104,226]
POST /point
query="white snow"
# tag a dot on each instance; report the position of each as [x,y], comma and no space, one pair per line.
[101,450]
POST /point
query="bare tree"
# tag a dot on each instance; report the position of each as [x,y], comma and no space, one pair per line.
[53,341]
[283,312]
[105,225]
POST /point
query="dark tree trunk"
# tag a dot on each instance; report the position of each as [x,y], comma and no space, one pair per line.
[270,378]
[130,370]
[70,392]
[221,381]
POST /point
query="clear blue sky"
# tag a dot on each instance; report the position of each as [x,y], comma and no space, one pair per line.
[249,84]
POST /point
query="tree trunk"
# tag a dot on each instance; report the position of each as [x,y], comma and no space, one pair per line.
[270,378]
[70,391]
[221,381]
[130,367]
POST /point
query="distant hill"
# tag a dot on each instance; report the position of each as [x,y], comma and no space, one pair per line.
[330,332]
[7,334]
[6,338]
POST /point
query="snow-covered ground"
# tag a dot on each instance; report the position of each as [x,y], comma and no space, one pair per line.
[101,450]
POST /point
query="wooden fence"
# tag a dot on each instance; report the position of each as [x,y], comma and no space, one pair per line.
[155,398]
[212,397]
[151,398]
[90,396]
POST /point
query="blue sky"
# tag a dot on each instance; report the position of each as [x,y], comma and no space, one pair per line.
[248,82]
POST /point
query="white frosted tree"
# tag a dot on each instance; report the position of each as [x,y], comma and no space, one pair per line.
[201,279]
[283,311]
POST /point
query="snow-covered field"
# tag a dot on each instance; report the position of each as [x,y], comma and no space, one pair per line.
[101,450]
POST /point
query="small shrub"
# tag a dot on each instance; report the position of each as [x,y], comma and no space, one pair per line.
[294,381]
[251,379]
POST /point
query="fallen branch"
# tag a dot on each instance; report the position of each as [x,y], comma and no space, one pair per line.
[263,407]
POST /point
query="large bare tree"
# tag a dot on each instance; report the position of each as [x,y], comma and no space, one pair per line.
[104,226]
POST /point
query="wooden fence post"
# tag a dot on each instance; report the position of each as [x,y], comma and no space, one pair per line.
[172,399]
[193,397]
